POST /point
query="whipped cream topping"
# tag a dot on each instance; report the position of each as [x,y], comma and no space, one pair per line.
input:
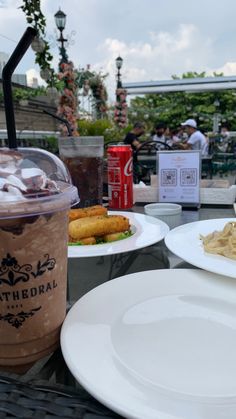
[19,184]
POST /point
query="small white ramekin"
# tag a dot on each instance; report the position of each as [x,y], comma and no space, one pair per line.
[167,212]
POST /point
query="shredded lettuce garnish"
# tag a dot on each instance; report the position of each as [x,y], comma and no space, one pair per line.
[99,240]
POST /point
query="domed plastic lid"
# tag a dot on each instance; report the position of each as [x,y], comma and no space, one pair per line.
[33,181]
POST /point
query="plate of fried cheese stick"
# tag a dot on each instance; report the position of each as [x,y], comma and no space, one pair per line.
[95,231]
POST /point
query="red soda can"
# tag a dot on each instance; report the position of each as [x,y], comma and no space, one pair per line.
[120,176]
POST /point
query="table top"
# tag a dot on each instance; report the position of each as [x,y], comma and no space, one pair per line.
[83,275]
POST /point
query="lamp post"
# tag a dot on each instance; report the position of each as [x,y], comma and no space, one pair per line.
[60,19]
[119,63]
[120,113]
[216,117]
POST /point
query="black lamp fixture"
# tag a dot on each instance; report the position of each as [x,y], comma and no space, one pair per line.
[119,63]
[60,20]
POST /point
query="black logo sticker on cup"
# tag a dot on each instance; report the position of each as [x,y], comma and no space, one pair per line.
[16,320]
[11,273]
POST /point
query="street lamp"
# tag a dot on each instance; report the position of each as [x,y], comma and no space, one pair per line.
[216,117]
[119,63]
[60,19]
[120,113]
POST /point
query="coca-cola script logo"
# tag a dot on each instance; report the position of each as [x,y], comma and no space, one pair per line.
[128,170]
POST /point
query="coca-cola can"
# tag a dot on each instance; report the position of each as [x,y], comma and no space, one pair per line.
[120,176]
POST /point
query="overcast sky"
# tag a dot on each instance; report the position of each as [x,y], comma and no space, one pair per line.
[155,38]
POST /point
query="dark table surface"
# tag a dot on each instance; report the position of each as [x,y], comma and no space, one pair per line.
[48,389]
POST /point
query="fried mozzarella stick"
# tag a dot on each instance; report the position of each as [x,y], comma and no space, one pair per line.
[107,238]
[97,226]
[76,213]
[86,241]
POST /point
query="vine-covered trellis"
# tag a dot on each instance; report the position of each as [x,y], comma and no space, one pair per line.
[68,80]
[95,82]
[120,113]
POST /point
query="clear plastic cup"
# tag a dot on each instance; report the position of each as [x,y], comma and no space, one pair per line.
[33,253]
[83,157]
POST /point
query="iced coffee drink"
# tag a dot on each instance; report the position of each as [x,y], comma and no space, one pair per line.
[34,207]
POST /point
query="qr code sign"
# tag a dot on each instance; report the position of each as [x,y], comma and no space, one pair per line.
[169,177]
[188,177]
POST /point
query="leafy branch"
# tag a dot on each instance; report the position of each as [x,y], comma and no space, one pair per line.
[37,20]
[24,94]
[34,15]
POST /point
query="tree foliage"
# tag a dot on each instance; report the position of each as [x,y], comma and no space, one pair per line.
[174,108]
[35,18]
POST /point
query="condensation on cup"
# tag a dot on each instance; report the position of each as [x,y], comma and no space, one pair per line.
[120,176]
[35,196]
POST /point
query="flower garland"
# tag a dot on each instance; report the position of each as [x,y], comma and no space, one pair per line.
[120,113]
[89,80]
[100,95]
[67,107]
[67,76]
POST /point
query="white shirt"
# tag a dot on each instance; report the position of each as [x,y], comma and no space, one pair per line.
[156,138]
[198,142]
[162,139]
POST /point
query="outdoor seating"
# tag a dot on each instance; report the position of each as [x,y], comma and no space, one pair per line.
[145,159]
[48,389]
[117,235]
[223,160]
[38,398]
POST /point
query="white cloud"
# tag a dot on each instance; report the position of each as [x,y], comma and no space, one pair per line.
[163,55]
[166,42]
[229,69]
[154,45]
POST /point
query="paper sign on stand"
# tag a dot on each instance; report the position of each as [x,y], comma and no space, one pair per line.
[179,176]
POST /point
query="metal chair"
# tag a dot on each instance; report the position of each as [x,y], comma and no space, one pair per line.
[145,159]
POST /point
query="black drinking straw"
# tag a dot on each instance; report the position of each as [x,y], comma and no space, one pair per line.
[64,121]
[7,72]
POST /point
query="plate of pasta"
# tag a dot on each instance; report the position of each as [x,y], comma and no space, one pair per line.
[112,232]
[206,244]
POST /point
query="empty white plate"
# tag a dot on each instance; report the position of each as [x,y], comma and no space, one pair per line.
[157,344]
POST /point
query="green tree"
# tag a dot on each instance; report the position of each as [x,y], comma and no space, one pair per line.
[173,108]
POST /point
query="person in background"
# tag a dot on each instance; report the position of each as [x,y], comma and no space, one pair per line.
[225,132]
[132,137]
[159,133]
[196,139]
[224,138]
[174,138]
[181,135]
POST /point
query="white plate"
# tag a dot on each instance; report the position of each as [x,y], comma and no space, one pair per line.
[157,344]
[184,241]
[147,231]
